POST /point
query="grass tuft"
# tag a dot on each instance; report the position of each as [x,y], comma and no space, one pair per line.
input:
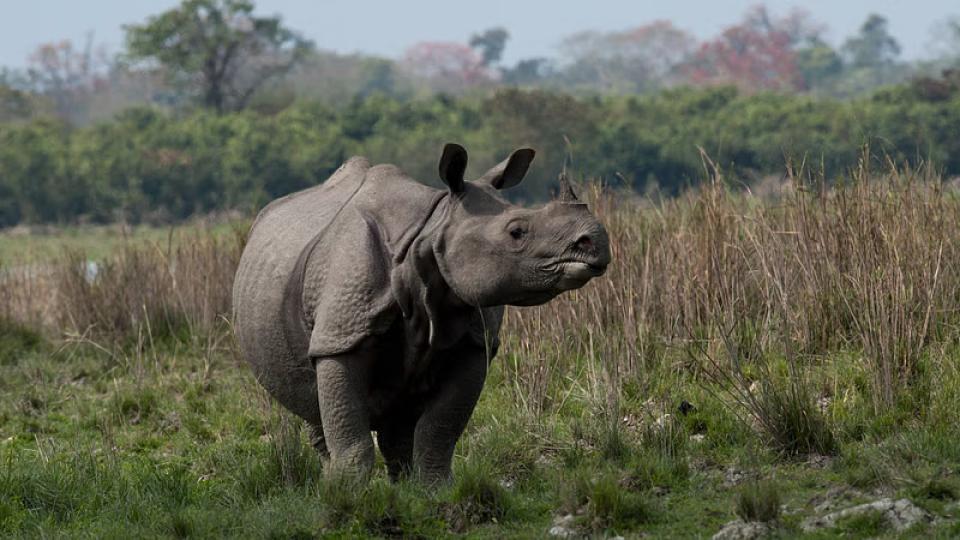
[789,417]
[870,524]
[758,501]
[17,340]
[601,502]
[476,497]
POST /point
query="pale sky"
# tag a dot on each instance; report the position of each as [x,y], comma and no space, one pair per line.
[387,27]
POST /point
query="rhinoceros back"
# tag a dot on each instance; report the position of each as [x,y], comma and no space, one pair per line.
[281,232]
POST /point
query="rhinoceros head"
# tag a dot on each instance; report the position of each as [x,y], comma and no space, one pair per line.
[492,252]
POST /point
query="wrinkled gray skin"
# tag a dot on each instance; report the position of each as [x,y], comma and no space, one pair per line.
[373,302]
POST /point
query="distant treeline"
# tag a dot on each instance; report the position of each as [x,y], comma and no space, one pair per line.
[147,164]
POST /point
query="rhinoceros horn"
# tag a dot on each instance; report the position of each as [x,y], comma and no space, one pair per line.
[567,194]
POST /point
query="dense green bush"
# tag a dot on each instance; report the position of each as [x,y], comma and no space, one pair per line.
[150,165]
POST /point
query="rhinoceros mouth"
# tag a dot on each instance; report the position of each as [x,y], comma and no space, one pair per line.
[576,268]
[574,274]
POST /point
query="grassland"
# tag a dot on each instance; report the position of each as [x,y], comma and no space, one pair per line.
[774,358]
[26,245]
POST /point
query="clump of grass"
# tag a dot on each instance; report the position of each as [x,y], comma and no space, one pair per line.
[791,420]
[939,488]
[341,496]
[134,405]
[476,497]
[781,406]
[16,340]
[296,463]
[865,468]
[379,508]
[614,446]
[12,514]
[870,524]
[603,502]
[758,500]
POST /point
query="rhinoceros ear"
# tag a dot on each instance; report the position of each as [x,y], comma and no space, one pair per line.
[510,171]
[453,163]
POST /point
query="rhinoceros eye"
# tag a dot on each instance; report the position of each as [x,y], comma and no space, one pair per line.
[518,229]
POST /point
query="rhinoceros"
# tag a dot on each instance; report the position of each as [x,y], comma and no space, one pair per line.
[373,303]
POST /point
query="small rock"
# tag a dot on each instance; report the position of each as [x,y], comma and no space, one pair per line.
[660,491]
[734,477]
[818,461]
[834,498]
[744,530]
[901,514]
[787,510]
[823,403]
[697,438]
[563,527]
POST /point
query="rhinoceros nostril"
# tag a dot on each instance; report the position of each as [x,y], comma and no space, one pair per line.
[584,243]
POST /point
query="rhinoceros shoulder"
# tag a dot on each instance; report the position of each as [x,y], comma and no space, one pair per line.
[351,173]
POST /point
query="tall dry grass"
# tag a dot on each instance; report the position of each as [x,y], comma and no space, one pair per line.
[144,288]
[870,265]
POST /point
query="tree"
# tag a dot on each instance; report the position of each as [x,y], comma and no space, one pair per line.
[490,43]
[947,42]
[873,46]
[448,66]
[67,76]
[527,71]
[17,105]
[872,58]
[634,60]
[757,54]
[220,46]
[818,63]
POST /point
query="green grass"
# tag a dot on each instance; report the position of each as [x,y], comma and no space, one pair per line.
[178,441]
[44,243]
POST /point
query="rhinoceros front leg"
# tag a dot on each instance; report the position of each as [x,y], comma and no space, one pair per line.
[315,432]
[447,412]
[344,414]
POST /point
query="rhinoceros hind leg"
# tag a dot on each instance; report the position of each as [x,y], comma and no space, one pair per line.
[343,411]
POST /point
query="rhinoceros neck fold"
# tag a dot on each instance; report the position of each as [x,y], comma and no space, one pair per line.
[434,318]
[425,226]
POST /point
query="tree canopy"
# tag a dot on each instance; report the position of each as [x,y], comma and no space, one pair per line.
[219,46]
